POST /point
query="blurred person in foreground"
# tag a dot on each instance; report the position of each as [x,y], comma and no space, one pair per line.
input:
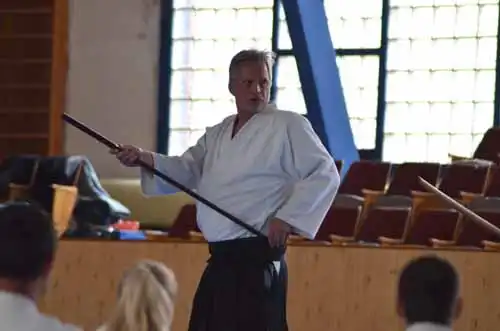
[27,249]
[268,168]
[428,295]
[146,297]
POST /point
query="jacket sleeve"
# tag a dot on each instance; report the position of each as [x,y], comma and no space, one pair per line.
[316,177]
[185,169]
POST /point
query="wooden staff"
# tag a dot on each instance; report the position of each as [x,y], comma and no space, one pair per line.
[452,203]
[112,145]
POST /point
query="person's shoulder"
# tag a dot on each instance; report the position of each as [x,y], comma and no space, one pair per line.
[290,119]
[220,126]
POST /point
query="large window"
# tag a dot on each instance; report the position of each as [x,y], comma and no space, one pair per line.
[440,73]
[205,35]
[440,78]
[354,27]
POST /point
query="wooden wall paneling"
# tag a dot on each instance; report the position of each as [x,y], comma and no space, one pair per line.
[25,82]
[59,75]
[330,288]
[33,67]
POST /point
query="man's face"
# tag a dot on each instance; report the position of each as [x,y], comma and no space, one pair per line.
[251,86]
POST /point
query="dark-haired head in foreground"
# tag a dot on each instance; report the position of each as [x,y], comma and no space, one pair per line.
[27,248]
[428,292]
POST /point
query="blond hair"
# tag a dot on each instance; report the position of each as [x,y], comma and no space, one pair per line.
[252,55]
[146,297]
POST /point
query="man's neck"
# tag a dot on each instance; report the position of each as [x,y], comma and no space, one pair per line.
[240,120]
[428,326]
[18,287]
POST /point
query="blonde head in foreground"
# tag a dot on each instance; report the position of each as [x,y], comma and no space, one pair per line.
[145,299]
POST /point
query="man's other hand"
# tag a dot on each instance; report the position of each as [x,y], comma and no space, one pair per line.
[278,232]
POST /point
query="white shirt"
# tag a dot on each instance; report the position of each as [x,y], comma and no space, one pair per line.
[21,314]
[427,326]
[275,166]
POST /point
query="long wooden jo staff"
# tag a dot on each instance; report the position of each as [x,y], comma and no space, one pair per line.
[459,207]
[112,145]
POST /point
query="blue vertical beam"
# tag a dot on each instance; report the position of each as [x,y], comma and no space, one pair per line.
[319,76]
[164,68]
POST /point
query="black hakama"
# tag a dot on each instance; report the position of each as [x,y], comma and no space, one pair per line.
[240,289]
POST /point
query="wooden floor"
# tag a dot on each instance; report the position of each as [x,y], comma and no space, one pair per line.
[330,288]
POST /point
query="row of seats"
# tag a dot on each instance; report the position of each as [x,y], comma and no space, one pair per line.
[383,203]
[380,203]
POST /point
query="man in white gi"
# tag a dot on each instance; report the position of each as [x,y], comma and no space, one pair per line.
[428,294]
[27,249]
[268,168]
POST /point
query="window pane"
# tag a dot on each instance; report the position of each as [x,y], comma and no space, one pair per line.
[179,114]
[483,113]
[180,138]
[201,84]
[284,41]
[206,34]
[416,145]
[440,76]
[204,113]
[461,144]
[439,145]
[180,80]
[396,115]
[359,78]
[352,24]
[364,133]
[178,141]
[395,148]
[182,51]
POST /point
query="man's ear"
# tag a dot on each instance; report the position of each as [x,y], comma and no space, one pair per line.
[400,310]
[230,88]
[47,269]
[458,308]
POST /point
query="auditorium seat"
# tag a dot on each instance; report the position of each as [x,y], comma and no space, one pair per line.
[365,175]
[57,194]
[383,222]
[185,226]
[468,178]
[380,221]
[434,226]
[361,175]
[493,183]
[21,191]
[341,220]
[405,179]
[403,183]
[472,234]
[460,181]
